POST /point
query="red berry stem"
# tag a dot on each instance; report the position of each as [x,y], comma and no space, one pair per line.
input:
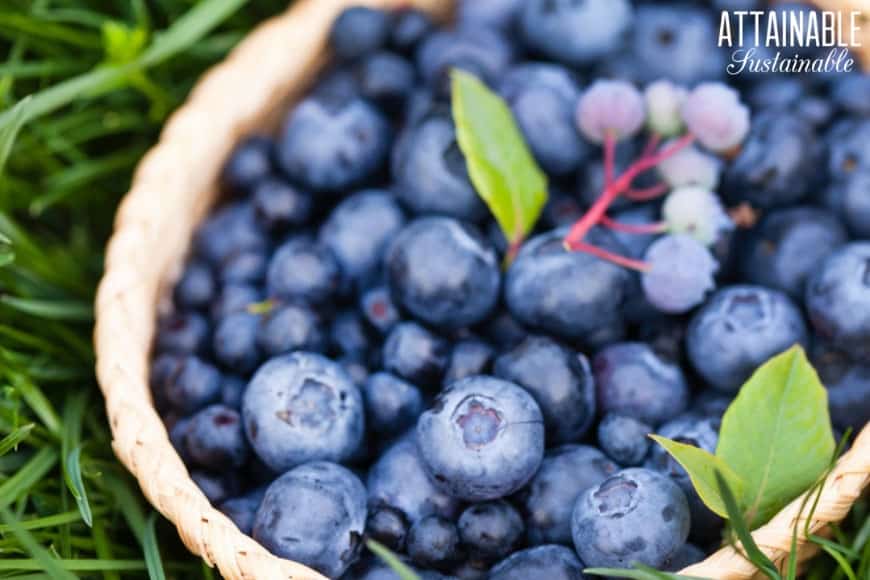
[609,157]
[647,193]
[638,265]
[598,210]
[653,228]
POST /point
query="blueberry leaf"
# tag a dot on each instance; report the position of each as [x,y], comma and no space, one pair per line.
[500,164]
[776,435]
[701,466]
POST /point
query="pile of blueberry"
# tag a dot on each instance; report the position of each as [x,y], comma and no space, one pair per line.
[346,357]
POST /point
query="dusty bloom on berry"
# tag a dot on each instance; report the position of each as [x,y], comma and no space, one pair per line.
[680,273]
[664,102]
[614,107]
[714,114]
[697,212]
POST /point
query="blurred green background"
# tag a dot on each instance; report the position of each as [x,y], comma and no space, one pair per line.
[84,87]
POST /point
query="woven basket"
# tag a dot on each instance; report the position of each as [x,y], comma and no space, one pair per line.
[173,188]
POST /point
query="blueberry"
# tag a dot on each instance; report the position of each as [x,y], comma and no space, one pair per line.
[235,342]
[348,336]
[838,299]
[214,439]
[684,38]
[738,329]
[501,14]
[575,33]
[410,27]
[302,407]
[504,331]
[315,515]
[543,98]
[388,526]
[848,151]
[392,405]
[242,509]
[232,390]
[562,209]
[182,333]
[848,385]
[632,380]
[430,173]
[610,107]
[217,487]
[358,231]
[235,298]
[850,94]
[414,353]
[249,164]
[624,439]
[301,269]
[468,357]
[246,267]
[636,244]
[378,309]
[196,288]
[778,162]
[680,273]
[290,327]
[278,205]
[714,113]
[443,272]
[549,561]
[701,432]
[685,556]
[359,30]
[177,435]
[789,245]
[433,542]
[387,79]
[560,381]
[231,229]
[333,144]
[398,479]
[490,530]
[193,385]
[565,473]
[849,197]
[483,52]
[571,295]
[635,516]
[776,93]
[483,439]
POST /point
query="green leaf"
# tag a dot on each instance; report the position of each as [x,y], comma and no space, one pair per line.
[701,467]
[776,435]
[741,529]
[499,162]
[402,570]
[122,43]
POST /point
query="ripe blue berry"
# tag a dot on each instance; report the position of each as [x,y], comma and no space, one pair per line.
[235,342]
[182,333]
[352,140]
[302,407]
[196,288]
[624,439]
[483,52]
[314,514]
[838,299]
[359,30]
[301,269]
[565,473]
[560,381]
[467,358]
[214,439]
[633,517]
[632,380]
[738,329]
[249,164]
[229,230]
[483,439]
[243,509]
[549,561]
[288,328]
[278,206]
[192,385]
[378,309]
[388,526]
[392,405]
[443,272]
[414,353]
[575,33]
[490,530]
[433,542]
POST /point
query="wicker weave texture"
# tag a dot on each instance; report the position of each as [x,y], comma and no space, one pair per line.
[173,187]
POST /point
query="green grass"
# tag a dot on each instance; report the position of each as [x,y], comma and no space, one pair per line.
[84,89]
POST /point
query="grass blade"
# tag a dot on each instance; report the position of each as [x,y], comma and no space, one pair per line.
[738,524]
[10,132]
[42,557]
[68,310]
[640,572]
[26,477]
[12,440]
[401,569]
[152,550]
[77,486]
[71,451]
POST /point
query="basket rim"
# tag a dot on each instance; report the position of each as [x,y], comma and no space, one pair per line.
[144,254]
